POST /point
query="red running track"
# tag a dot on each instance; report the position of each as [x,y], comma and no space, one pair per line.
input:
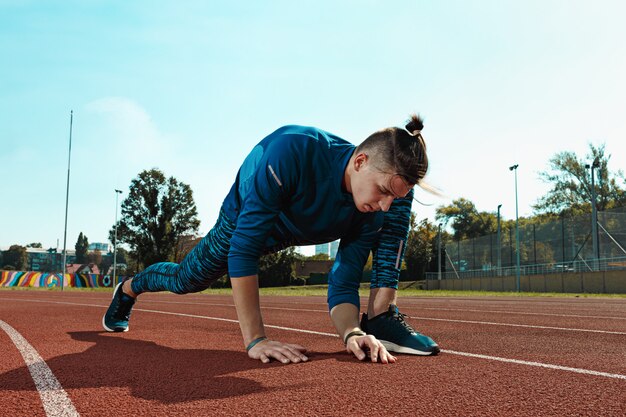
[536,356]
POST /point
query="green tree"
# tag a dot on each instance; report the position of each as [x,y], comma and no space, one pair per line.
[157,213]
[277,269]
[15,257]
[318,257]
[467,221]
[571,184]
[95,257]
[34,245]
[420,247]
[82,249]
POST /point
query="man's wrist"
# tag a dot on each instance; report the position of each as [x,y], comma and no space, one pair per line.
[255,342]
[357,332]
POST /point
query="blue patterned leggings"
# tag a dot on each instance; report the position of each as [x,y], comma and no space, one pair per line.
[388,252]
[207,262]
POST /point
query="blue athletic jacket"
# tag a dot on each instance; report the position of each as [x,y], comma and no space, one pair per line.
[288,192]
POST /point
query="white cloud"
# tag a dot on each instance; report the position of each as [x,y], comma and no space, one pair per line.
[131,128]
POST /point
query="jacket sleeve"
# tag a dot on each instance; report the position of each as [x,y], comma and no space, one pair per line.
[265,180]
[345,276]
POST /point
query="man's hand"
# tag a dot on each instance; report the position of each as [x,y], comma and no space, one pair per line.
[272,349]
[357,345]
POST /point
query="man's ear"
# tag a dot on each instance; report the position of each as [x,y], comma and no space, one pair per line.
[360,160]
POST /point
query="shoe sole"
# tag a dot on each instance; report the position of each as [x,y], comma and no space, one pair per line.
[105,314]
[392,347]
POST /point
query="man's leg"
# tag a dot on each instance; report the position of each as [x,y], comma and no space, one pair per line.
[383,319]
[380,299]
[206,262]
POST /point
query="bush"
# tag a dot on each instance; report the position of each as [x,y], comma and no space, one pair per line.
[298,281]
[223,282]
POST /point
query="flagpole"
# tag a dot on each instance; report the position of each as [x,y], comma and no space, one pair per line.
[67,196]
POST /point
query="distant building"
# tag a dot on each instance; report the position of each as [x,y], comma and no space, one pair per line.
[323,248]
[334,247]
[48,259]
[306,268]
[102,247]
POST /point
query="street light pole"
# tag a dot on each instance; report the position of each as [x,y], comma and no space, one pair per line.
[113,284]
[439,253]
[517,268]
[498,242]
[594,214]
[67,196]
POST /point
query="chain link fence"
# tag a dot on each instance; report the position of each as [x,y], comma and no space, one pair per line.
[564,245]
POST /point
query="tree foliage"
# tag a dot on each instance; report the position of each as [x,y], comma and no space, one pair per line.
[277,269]
[420,247]
[156,214]
[318,257]
[467,221]
[82,249]
[571,184]
[15,257]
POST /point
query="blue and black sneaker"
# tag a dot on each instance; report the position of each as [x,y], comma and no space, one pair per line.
[397,335]
[117,316]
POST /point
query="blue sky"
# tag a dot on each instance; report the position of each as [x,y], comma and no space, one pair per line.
[190,87]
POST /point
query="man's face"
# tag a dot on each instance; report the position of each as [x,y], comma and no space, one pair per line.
[373,190]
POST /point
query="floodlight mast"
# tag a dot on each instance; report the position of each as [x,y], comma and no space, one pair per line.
[594,214]
[67,196]
[517,268]
[498,239]
[113,283]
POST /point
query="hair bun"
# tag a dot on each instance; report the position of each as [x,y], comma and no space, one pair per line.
[415,125]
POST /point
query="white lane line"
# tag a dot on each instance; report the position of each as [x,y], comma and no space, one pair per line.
[403,308]
[489,323]
[234,321]
[538,364]
[517,312]
[231,305]
[53,397]
[485,323]
[452,352]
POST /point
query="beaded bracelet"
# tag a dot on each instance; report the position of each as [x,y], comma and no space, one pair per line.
[354,333]
[255,342]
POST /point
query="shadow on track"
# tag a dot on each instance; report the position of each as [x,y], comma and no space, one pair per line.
[151,371]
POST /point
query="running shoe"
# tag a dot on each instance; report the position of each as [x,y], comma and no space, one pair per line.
[117,315]
[397,335]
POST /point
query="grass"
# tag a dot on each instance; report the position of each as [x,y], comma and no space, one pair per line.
[321,290]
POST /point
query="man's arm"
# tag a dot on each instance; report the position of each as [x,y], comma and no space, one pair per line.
[246,297]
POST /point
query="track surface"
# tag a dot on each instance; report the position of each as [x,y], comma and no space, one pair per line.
[188,363]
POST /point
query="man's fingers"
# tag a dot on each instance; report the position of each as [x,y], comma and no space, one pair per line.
[278,356]
[290,353]
[283,352]
[298,353]
[374,347]
[356,350]
[298,347]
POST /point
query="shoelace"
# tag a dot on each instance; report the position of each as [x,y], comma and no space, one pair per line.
[401,318]
[122,310]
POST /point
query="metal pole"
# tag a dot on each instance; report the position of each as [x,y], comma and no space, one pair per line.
[517,268]
[499,242]
[67,196]
[439,254]
[113,283]
[594,216]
